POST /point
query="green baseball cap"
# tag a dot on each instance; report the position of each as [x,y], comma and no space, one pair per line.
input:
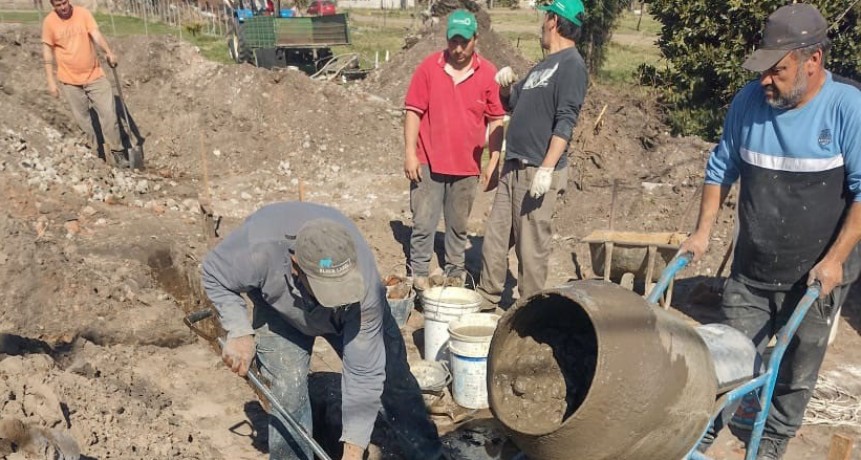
[463,23]
[568,9]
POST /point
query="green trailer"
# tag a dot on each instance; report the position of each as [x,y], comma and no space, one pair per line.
[272,42]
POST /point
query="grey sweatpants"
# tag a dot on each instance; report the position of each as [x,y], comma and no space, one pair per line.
[435,195]
[99,95]
[519,220]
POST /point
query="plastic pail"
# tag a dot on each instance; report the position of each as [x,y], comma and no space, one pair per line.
[401,308]
[441,305]
[469,344]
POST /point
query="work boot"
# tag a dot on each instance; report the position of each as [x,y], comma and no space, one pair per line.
[421,283]
[706,443]
[456,279]
[772,448]
[121,158]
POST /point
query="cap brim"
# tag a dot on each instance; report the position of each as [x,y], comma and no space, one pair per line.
[762,60]
[465,33]
[335,292]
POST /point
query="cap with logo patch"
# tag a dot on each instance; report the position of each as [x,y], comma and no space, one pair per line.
[789,28]
[326,253]
[568,9]
[463,23]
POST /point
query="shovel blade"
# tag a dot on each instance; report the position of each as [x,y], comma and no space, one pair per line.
[136,159]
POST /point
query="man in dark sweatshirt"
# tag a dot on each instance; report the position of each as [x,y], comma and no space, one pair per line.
[309,272]
[544,109]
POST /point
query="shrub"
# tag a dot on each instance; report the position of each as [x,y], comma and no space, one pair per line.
[705,42]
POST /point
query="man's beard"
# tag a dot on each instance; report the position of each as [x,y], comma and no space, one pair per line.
[791,98]
[67,15]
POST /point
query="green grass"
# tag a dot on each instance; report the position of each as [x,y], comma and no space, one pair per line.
[382,14]
[368,40]
[648,26]
[371,32]
[212,47]
[622,62]
[529,44]
[26,17]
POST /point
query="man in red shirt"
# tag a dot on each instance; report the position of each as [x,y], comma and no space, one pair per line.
[452,111]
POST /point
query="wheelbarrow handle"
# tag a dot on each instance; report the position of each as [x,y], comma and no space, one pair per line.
[676,265]
[258,385]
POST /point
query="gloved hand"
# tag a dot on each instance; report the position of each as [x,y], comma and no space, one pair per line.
[541,182]
[505,77]
[238,353]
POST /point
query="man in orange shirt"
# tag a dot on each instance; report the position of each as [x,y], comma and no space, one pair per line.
[68,34]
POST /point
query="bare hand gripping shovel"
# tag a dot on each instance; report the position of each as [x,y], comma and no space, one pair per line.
[254,378]
[136,157]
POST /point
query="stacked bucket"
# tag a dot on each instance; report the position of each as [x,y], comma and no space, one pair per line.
[456,333]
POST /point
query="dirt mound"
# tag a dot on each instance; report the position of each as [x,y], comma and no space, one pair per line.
[94,402]
[243,118]
[392,79]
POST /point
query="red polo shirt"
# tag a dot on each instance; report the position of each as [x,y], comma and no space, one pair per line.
[454,115]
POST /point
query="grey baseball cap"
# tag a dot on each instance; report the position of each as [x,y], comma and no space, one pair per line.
[326,252]
[790,27]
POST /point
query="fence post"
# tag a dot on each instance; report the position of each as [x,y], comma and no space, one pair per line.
[145,14]
[111,12]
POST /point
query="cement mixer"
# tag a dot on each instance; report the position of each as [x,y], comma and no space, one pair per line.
[590,370]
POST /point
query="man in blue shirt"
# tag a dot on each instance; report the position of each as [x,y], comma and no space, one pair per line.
[793,139]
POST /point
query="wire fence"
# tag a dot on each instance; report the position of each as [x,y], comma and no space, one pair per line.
[195,18]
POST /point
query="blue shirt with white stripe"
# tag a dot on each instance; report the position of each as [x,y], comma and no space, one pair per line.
[800,169]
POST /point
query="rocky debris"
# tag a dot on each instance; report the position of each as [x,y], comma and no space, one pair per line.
[48,412]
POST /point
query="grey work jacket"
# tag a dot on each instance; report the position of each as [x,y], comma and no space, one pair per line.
[255,259]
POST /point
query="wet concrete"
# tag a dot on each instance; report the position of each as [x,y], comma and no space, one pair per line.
[652,390]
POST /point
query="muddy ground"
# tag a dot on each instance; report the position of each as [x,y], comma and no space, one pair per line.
[99,265]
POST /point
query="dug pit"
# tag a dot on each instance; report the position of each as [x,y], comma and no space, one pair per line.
[545,366]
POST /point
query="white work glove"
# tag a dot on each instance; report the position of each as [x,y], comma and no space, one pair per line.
[505,77]
[541,182]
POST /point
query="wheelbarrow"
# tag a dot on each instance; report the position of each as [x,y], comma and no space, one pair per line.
[622,257]
[761,385]
[254,378]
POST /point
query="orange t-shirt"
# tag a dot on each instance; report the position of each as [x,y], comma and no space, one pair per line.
[77,63]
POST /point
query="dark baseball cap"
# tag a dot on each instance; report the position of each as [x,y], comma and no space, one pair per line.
[326,253]
[789,28]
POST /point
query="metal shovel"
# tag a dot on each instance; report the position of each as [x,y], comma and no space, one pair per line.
[254,378]
[136,157]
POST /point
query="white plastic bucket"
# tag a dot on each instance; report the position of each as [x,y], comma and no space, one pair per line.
[441,305]
[469,346]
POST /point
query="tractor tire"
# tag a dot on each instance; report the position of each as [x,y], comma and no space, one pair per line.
[237,47]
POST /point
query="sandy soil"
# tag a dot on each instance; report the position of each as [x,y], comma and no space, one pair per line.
[99,265]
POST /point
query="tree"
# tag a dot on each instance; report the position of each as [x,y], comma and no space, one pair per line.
[704,43]
[601,18]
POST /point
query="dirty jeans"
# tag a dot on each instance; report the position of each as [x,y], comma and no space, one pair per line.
[284,355]
[99,95]
[519,220]
[451,196]
[760,314]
